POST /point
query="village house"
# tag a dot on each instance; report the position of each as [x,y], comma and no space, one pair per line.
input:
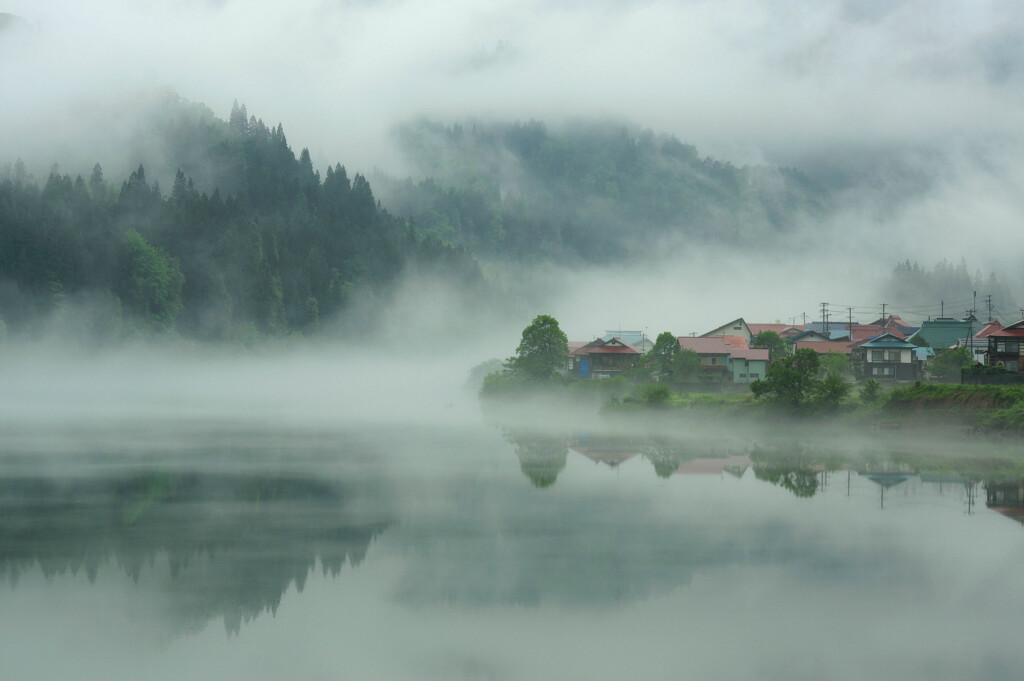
[748,332]
[601,358]
[748,364]
[1006,347]
[943,332]
[714,355]
[887,357]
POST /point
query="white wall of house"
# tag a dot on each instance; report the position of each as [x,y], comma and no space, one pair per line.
[889,355]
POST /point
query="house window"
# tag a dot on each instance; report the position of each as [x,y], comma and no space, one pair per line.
[1011,365]
[878,355]
[892,355]
[1008,346]
[743,375]
[714,360]
[755,375]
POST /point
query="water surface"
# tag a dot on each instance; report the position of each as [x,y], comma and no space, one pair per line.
[458,551]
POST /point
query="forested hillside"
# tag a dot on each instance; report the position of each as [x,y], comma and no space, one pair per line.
[589,192]
[248,241]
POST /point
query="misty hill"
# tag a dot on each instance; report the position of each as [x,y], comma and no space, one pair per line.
[590,192]
[248,241]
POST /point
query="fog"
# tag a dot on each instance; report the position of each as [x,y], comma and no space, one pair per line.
[465,530]
[913,106]
[744,80]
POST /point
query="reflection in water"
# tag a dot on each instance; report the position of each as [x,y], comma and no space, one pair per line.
[233,544]
[541,457]
[651,558]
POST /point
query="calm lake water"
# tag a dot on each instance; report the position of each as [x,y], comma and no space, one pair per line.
[459,551]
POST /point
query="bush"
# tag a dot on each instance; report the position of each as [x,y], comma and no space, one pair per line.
[654,394]
[871,391]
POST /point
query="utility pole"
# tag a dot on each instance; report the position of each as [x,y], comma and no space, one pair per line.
[804,314]
[849,327]
[882,321]
[824,318]
[989,307]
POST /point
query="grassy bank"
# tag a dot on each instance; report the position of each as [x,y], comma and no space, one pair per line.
[988,409]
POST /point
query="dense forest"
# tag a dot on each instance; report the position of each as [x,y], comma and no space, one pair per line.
[589,192]
[249,241]
[245,240]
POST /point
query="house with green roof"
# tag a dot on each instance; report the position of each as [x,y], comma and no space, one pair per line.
[886,357]
[943,332]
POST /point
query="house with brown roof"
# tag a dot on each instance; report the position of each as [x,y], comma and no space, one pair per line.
[602,358]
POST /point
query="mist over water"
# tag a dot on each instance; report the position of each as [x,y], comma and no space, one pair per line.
[340,505]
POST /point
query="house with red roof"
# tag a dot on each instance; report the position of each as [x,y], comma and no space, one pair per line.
[602,358]
[824,347]
[714,355]
[1006,347]
[784,330]
[727,359]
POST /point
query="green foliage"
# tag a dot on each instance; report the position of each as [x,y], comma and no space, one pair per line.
[653,394]
[684,368]
[790,381]
[262,244]
[797,382]
[959,398]
[659,358]
[575,187]
[776,345]
[542,352]
[832,389]
[948,362]
[835,364]
[149,283]
[870,392]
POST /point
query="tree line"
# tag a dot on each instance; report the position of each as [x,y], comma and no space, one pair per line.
[268,247]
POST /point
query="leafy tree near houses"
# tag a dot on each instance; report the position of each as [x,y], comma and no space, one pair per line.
[776,345]
[790,381]
[832,389]
[835,364]
[947,363]
[684,368]
[659,358]
[799,381]
[543,350]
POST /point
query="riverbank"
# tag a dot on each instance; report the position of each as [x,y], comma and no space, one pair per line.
[956,409]
[974,408]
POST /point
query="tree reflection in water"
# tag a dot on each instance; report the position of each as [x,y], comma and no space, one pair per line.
[233,543]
